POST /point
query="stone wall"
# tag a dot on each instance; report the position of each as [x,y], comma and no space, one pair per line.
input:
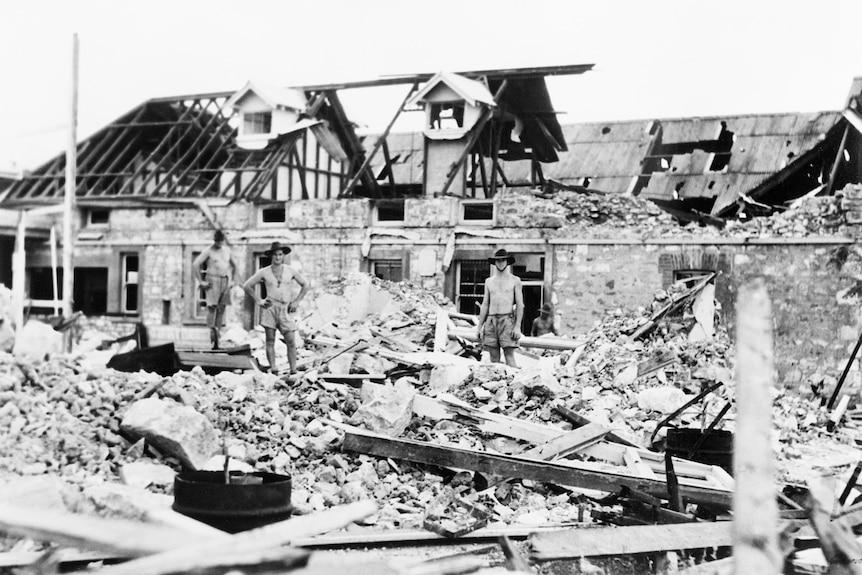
[816,324]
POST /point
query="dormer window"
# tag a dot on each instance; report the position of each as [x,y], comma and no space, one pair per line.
[257,122]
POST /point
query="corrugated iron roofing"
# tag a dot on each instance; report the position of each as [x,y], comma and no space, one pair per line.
[610,154]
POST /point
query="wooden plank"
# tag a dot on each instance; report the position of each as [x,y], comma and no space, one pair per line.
[449,407]
[594,542]
[840,547]
[634,462]
[215,553]
[544,342]
[214,360]
[129,538]
[578,419]
[566,473]
[568,442]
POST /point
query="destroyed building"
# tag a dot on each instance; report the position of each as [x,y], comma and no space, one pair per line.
[594,213]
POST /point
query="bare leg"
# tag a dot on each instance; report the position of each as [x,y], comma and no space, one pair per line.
[494,353]
[211,323]
[218,321]
[270,346]
[290,342]
[509,352]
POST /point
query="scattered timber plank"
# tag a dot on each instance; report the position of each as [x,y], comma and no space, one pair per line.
[544,342]
[396,342]
[566,473]
[594,542]
[578,419]
[352,376]
[449,407]
[366,537]
[115,536]
[214,360]
[656,363]
[254,543]
[842,550]
[568,443]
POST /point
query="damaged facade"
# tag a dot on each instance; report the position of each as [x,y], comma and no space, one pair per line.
[576,204]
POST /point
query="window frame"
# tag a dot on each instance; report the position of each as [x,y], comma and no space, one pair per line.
[125,283]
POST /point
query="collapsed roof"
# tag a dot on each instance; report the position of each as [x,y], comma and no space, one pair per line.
[185,148]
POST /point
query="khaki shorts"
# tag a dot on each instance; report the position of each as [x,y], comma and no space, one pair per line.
[218,293]
[277,317]
[498,331]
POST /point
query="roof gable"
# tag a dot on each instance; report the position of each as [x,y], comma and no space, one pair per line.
[472,91]
[273,96]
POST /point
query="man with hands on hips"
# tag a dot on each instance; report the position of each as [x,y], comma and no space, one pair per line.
[278,309]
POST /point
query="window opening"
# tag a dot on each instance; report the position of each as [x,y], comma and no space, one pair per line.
[446,115]
[98,217]
[391,270]
[90,291]
[257,122]
[199,306]
[478,211]
[129,303]
[389,210]
[274,215]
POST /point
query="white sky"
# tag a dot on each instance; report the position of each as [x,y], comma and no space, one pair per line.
[654,58]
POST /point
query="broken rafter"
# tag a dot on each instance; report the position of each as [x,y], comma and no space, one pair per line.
[568,473]
[152,155]
[380,141]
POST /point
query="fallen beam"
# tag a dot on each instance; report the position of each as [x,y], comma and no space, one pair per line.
[594,542]
[546,342]
[214,360]
[565,473]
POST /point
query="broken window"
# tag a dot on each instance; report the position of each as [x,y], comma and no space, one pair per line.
[445,115]
[391,270]
[389,210]
[274,215]
[471,285]
[90,291]
[40,286]
[98,217]
[477,211]
[199,305]
[129,294]
[257,122]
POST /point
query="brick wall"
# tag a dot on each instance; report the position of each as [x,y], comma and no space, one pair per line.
[815,327]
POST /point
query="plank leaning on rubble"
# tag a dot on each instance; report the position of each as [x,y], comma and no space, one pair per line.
[449,407]
[257,542]
[563,472]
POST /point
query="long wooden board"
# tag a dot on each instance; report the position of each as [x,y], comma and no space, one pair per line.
[567,473]
[594,542]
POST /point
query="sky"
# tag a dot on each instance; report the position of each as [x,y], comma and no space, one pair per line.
[653,58]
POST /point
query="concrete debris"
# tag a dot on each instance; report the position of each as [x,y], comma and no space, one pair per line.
[89,427]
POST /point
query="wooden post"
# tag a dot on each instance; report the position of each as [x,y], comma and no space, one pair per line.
[54,288]
[755,509]
[19,270]
[71,176]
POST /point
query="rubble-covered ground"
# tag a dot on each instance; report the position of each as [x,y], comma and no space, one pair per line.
[64,417]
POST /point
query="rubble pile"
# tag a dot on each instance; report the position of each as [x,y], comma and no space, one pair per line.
[632,371]
[606,216]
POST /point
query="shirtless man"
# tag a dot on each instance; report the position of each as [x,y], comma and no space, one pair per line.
[221,275]
[502,309]
[279,306]
[544,324]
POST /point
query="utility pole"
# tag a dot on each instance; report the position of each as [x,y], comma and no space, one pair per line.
[71,179]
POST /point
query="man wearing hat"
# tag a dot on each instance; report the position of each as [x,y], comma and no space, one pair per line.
[502,309]
[221,273]
[544,324]
[279,306]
